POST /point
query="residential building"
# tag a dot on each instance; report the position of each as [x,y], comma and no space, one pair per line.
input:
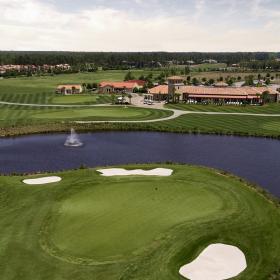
[69,89]
[120,87]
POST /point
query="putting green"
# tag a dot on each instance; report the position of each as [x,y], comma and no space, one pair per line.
[115,222]
[88,226]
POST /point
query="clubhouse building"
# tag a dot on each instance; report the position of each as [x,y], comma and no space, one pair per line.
[220,93]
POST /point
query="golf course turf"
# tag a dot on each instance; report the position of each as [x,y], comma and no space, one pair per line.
[88,226]
[13,115]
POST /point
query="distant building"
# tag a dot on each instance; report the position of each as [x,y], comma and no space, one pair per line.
[120,87]
[69,89]
[221,84]
[211,61]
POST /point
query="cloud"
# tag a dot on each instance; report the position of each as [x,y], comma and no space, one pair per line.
[41,26]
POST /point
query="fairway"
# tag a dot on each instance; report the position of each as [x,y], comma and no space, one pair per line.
[81,99]
[41,89]
[92,227]
[273,108]
[102,113]
[10,114]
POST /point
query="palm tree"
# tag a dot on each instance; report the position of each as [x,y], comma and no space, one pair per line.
[129,97]
[177,97]
[113,98]
[265,97]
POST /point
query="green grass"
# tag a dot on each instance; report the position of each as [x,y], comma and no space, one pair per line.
[273,108]
[101,114]
[82,99]
[208,66]
[92,227]
[19,115]
[223,124]
[42,89]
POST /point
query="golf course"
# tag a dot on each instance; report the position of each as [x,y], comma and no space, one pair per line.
[88,226]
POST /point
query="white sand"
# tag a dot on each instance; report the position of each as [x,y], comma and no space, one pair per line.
[216,262]
[124,172]
[42,181]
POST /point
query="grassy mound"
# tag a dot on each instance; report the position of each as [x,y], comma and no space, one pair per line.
[92,227]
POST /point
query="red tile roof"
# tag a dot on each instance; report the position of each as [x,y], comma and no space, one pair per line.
[161,89]
[139,82]
[214,92]
[223,91]
[128,85]
[175,78]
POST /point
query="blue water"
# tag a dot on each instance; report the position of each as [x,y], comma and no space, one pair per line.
[255,159]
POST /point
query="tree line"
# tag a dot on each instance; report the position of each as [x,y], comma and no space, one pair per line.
[126,60]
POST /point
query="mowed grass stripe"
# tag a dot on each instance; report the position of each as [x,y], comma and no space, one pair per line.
[222,124]
[13,114]
[273,108]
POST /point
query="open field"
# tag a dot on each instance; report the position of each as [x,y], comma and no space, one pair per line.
[207,66]
[92,227]
[273,108]
[11,115]
[42,89]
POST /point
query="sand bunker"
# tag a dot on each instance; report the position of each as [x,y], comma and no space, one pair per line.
[42,181]
[124,172]
[216,262]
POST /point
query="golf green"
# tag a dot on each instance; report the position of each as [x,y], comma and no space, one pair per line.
[133,227]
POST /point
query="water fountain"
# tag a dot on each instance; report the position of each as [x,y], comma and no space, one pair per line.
[73,140]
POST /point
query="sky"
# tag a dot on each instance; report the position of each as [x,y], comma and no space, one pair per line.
[140,25]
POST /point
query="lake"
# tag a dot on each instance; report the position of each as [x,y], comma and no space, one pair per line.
[255,159]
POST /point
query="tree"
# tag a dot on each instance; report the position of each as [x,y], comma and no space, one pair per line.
[129,76]
[195,81]
[187,70]
[249,80]
[211,81]
[177,97]
[113,98]
[229,81]
[129,97]
[265,97]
